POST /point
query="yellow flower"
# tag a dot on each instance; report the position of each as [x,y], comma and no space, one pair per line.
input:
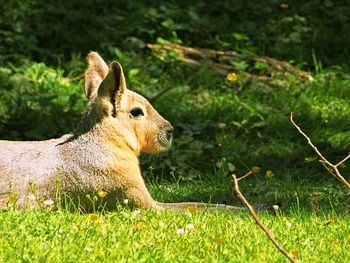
[256,169]
[207,244]
[93,217]
[137,228]
[269,174]
[284,5]
[102,194]
[13,197]
[219,240]
[232,77]
[192,209]
[294,253]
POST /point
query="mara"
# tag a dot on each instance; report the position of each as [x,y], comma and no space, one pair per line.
[101,155]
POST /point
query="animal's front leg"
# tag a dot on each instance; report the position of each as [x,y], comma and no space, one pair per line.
[138,196]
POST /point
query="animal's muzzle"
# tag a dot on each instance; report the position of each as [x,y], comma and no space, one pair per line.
[169,132]
[165,136]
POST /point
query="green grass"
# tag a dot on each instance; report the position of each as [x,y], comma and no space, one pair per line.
[148,236]
[312,223]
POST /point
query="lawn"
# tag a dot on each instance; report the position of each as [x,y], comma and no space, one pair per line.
[192,236]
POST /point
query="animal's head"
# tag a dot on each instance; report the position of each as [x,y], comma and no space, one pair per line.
[134,118]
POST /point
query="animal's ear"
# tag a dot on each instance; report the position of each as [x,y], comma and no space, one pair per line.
[95,74]
[112,88]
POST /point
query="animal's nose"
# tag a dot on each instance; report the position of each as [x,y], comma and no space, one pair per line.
[169,132]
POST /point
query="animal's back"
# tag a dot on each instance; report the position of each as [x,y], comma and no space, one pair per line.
[27,165]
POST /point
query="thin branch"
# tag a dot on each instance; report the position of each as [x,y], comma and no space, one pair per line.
[245,176]
[342,161]
[329,166]
[254,215]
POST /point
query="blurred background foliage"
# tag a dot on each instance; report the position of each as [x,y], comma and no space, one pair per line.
[54,30]
[221,125]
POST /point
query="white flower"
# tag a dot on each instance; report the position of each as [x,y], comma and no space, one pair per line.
[49,202]
[180,231]
[161,224]
[275,207]
[88,249]
[190,226]
[289,224]
[125,201]
[136,212]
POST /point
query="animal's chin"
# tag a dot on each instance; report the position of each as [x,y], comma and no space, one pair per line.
[164,144]
[158,147]
[164,141]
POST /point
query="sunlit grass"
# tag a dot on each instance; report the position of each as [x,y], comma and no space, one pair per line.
[170,237]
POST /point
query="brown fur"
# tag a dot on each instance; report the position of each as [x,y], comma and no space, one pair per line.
[100,155]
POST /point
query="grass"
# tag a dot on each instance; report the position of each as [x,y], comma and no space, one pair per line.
[148,236]
[312,223]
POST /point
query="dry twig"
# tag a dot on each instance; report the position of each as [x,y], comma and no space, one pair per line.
[257,220]
[331,168]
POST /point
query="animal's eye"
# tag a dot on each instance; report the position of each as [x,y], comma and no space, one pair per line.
[137,112]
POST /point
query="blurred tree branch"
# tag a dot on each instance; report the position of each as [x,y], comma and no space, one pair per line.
[221,61]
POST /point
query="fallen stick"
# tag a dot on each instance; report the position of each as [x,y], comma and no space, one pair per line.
[198,56]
